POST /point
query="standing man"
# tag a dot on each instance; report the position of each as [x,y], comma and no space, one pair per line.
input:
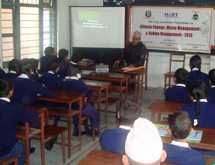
[134,53]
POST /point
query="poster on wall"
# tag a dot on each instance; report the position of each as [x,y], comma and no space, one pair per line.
[174,28]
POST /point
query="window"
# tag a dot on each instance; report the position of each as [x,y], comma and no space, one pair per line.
[28,26]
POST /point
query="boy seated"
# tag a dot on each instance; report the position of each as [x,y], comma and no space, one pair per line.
[143,145]
[10,115]
[178,152]
[113,140]
[212,83]
[179,92]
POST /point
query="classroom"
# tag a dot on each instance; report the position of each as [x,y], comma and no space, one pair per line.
[79,77]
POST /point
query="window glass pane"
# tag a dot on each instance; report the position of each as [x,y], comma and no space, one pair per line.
[7,20]
[30,1]
[7,48]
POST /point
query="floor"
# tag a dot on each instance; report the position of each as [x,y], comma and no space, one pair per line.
[54,157]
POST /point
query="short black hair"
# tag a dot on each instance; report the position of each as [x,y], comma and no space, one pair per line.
[196,61]
[73,70]
[211,76]
[53,65]
[180,125]
[129,112]
[6,86]
[63,53]
[181,75]
[48,50]
[14,65]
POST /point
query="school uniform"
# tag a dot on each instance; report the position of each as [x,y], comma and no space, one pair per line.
[207,113]
[11,74]
[35,77]
[74,85]
[212,94]
[177,93]
[26,89]
[63,68]
[2,73]
[181,153]
[194,74]
[10,115]
[44,63]
[113,140]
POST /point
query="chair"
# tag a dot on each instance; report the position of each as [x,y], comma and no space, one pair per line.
[170,74]
[10,160]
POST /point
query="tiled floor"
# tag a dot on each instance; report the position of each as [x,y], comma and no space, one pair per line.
[54,157]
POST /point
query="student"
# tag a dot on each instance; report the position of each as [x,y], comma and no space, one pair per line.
[25,89]
[2,73]
[73,84]
[202,113]
[50,54]
[178,152]
[10,115]
[143,145]
[113,140]
[63,56]
[196,74]
[13,68]
[179,92]
[212,88]
[34,67]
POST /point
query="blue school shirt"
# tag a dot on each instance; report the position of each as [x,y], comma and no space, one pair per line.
[24,90]
[207,113]
[212,94]
[2,73]
[113,140]
[10,115]
[63,68]
[11,74]
[74,85]
[51,81]
[193,75]
[180,153]
[44,63]
[178,93]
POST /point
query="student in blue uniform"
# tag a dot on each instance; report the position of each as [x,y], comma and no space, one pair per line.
[195,73]
[25,89]
[179,92]
[2,73]
[113,140]
[73,84]
[178,151]
[13,68]
[34,67]
[10,115]
[50,54]
[212,88]
[202,113]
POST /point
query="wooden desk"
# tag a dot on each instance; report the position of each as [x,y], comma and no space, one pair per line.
[99,157]
[69,98]
[164,107]
[112,77]
[99,87]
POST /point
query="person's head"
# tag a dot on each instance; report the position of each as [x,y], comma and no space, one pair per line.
[6,87]
[195,62]
[211,76]
[136,37]
[180,125]
[26,67]
[50,51]
[34,65]
[54,65]
[14,65]
[74,71]
[181,76]
[129,112]
[143,145]
[63,54]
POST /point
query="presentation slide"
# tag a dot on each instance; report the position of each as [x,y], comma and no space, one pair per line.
[98,27]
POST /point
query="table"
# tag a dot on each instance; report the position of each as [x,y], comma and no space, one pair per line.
[99,157]
[69,98]
[100,86]
[164,107]
[112,77]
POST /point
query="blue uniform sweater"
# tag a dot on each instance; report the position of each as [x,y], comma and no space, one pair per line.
[35,77]
[26,89]
[193,75]
[212,94]
[44,63]
[11,75]
[63,68]
[183,155]
[51,81]
[177,94]
[113,140]
[10,115]
[2,73]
